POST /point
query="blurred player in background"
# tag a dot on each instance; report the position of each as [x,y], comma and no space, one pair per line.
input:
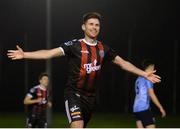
[37,101]
[144,93]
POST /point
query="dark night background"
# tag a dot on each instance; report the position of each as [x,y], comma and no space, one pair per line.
[136,29]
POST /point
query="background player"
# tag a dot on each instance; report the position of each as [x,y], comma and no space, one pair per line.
[144,93]
[37,101]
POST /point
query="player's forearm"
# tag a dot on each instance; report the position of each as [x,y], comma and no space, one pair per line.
[155,100]
[28,102]
[125,65]
[44,54]
[133,69]
[41,54]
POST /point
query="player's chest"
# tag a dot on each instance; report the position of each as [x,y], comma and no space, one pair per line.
[88,53]
[41,94]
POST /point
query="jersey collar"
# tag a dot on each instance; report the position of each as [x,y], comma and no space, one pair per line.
[42,88]
[90,44]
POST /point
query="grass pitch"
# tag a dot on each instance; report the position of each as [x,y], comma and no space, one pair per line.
[99,120]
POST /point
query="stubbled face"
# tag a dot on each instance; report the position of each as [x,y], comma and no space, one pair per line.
[91,28]
[44,81]
[150,68]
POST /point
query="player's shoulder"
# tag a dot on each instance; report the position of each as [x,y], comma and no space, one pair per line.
[104,44]
[71,42]
[141,79]
[34,88]
[101,42]
[149,82]
[145,81]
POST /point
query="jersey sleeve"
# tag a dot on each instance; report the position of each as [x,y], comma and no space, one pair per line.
[110,53]
[67,47]
[149,84]
[31,93]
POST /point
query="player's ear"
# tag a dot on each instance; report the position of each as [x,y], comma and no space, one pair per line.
[83,27]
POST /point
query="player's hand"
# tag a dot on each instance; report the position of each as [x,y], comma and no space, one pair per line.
[16,54]
[153,77]
[49,104]
[163,112]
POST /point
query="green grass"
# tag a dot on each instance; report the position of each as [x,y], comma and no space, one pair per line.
[99,120]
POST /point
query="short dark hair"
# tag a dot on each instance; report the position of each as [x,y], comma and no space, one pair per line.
[42,75]
[90,15]
[146,62]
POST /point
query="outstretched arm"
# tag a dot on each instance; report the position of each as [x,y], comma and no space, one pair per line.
[125,65]
[40,54]
[156,101]
[28,100]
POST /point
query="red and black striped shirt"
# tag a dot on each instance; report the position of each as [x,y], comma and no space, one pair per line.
[84,63]
[34,93]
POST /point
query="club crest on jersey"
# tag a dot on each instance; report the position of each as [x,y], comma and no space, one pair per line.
[91,67]
[101,53]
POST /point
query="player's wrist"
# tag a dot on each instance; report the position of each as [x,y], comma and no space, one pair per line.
[24,55]
[161,108]
[145,74]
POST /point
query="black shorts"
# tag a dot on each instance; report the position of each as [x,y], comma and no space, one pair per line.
[145,117]
[36,121]
[77,107]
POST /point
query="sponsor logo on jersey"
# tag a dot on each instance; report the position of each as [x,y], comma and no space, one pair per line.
[74,108]
[91,67]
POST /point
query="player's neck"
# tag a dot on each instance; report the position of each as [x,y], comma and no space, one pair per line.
[90,41]
[43,87]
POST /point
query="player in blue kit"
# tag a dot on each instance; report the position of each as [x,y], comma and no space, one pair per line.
[144,93]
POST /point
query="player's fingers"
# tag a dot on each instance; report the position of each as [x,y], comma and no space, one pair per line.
[163,115]
[11,51]
[157,76]
[14,58]
[18,47]
[157,80]
[11,56]
[152,71]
